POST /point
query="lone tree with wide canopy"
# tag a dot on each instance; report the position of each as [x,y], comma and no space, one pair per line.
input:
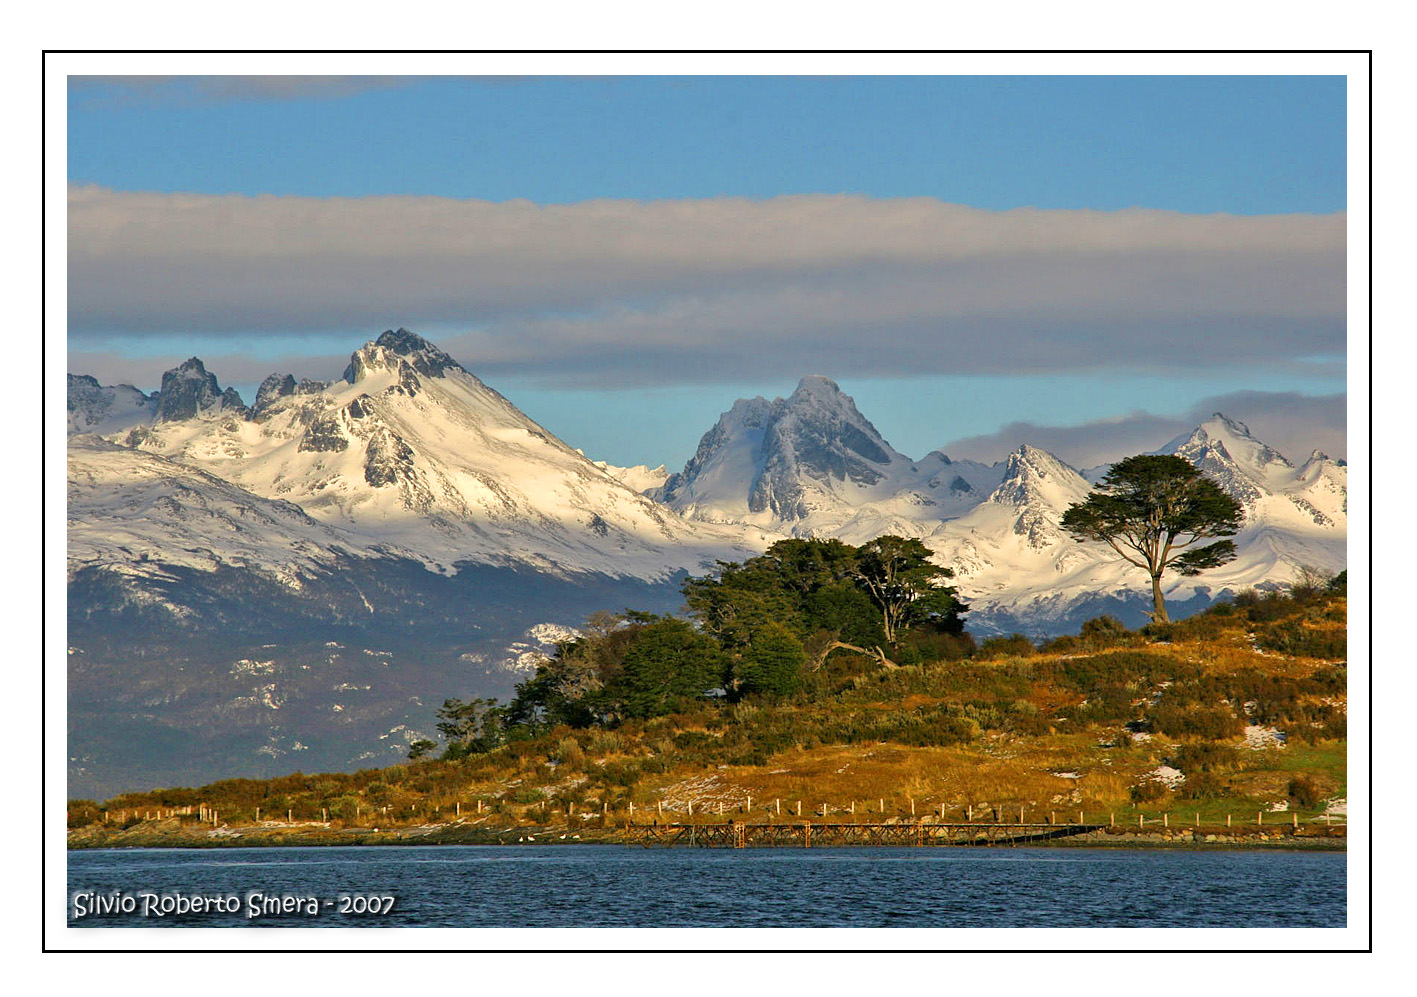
[1152,510]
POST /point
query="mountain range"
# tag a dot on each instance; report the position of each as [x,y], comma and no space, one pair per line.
[312,572]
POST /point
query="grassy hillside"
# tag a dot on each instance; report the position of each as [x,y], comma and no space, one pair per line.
[1237,710]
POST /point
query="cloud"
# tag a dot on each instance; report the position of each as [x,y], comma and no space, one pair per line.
[1292,423]
[617,293]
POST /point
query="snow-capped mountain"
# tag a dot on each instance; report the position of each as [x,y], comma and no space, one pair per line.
[409,450]
[1262,479]
[813,465]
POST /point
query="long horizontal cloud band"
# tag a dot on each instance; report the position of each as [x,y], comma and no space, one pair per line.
[624,291]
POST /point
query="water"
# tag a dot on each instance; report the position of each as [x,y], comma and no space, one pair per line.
[608,885]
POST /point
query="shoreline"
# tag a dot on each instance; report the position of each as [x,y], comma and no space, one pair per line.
[1283,838]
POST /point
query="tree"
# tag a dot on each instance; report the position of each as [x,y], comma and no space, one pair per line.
[567,688]
[771,665]
[1152,510]
[667,664]
[806,585]
[906,586]
[473,727]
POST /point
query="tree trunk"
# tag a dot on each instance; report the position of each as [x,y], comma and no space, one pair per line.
[1158,611]
[877,653]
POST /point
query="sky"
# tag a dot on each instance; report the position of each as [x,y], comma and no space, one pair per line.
[1090,264]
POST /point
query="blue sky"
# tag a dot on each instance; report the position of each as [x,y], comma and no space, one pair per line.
[944,324]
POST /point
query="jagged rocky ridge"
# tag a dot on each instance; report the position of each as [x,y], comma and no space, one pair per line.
[409,455]
[410,452]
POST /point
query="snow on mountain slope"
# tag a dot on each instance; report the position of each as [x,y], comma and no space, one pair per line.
[1012,540]
[410,452]
[813,465]
[409,449]
[95,408]
[142,514]
[641,478]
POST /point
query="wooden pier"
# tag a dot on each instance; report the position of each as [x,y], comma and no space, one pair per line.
[807,834]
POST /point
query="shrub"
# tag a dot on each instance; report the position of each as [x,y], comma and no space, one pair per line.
[1208,723]
[1336,727]
[624,773]
[908,654]
[1103,632]
[943,646]
[1304,791]
[1203,626]
[1160,633]
[603,742]
[1194,759]
[568,752]
[1149,791]
[1014,646]
[1269,607]
[1311,583]
[1292,637]
[936,732]
[1066,644]
[1203,786]
[526,794]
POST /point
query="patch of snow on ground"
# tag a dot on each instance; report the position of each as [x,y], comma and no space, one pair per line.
[1167,775]
[1259,738]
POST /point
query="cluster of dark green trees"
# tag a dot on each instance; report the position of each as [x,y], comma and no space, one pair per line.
[756,628]
[753,629]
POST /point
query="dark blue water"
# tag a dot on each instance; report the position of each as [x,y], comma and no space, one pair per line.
[607,885]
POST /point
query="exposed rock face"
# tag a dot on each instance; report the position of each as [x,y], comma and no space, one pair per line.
[325,435]
[816,435]
[231,402]
[96,407]
[272,389]
[400,350]
[388,459]
[189,391]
